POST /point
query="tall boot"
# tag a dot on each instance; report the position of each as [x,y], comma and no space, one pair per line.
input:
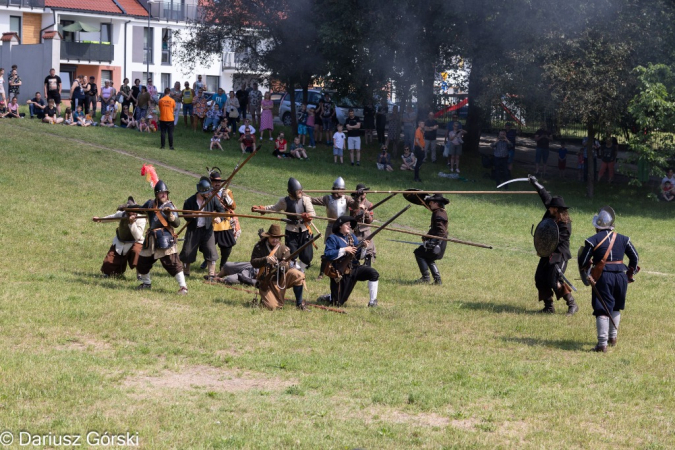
[212,269]
[571,304]
[602,325]
[435,273]
[548,306]
[299,303]
[614,331]
[424,270]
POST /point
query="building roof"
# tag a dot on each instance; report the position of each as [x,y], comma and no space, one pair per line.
[130,7]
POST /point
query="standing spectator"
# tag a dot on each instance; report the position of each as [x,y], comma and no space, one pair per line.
[13,109]
[167,106]
[177,96]
[311,124]
[143,104]
[3,97]
[562,159]
[595,149]
[455,120]
[247,141]
[384,160]
[198,85]
[220,97]
[135,92]
[52,115]
[187,98]
[368,122]
[303,115]
[113,100]
[542,137]
[394,134]
[52,88]
[91,100]
[327,114]
[339,145]
[408,119]
[242,97]
[353,136]
[199,108]
[608,157]
[317,120]
[14,83]
[78,95]
[511,134]
[246,125]
[232,111]
[409,160]
[152,90]
[125,94]
[430,133]
[107,98]
[212,115]
[37,106]
[501,153]
[266,118]
[453,146]
[419,150]
[254,100]
[381,121]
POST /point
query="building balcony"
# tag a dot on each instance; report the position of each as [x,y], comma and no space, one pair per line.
[23,3]
[87,51]
[175,11]
[234,60]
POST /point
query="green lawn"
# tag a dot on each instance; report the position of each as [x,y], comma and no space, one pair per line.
[465,365]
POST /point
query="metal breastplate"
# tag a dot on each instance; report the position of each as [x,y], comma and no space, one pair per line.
[336,207]
[154,221]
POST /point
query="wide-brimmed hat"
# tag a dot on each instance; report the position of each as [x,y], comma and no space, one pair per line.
[273,232]
[215,176]
[438,198]
[557,202]
[341,221]
[360,187]
[131,203]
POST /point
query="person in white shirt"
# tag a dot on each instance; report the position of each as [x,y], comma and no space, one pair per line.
[338,144]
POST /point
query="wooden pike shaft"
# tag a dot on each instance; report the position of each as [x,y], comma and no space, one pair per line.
[314,305]
[323,191]
[456,241]
[265,211]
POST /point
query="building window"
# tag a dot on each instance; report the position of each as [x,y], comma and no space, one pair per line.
[166,81]
[212,83]
[106,75]
[144,78]
[166,46]
[147,45]
[15,25]
[106,35]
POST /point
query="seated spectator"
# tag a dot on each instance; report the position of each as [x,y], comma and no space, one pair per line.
[247,140]
[213,115]
[280,147]
[126,119]
[107,120]
[78,115]
[88,121]
[384,160]
[668,186]
[151,119]
[247,124]
[13,109]
[297,150]
[37,106]
[69,118]
[3,110]
[409,159]
[215,139]
[52,113]
[143,125]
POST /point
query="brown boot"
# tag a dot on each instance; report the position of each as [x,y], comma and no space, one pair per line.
[548,306]
[611,341]
[600,348]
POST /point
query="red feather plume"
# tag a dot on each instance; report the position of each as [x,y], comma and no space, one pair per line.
[150,175]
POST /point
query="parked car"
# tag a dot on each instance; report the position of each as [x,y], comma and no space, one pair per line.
[276,98]
[343,104]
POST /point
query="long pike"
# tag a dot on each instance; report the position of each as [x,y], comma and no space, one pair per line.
[325,191]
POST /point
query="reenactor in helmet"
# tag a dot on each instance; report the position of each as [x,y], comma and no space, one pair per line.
[361,210]
[548,278]
[298,229]
[601,260]
[160,242]
[199,235]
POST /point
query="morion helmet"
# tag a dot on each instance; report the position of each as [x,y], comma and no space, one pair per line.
[161,187]
[203,186]
[604,219]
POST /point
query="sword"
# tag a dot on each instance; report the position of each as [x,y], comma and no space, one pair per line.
[406,242]
[513,181]
[604,305]
[564,278]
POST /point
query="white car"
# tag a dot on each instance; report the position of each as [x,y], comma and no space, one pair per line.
[343,104]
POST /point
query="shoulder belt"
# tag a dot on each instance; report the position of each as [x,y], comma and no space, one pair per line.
[609,249]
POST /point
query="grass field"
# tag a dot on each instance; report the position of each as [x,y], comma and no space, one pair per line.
[465,365]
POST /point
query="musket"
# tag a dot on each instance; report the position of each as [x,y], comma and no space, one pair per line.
[428,236]
[267,211]
[564,278]
[604,305]
[293,255]
[326,191]
[213,283]
[314,305]
[382,201]
[238,168]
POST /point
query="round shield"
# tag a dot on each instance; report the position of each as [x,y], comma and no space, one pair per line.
[415,198]
[583,273]
[546,238]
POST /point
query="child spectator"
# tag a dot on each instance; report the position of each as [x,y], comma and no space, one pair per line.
[143,125]
[453,146]
[78,116]
[297,150]
[409,159]
[52,113]
[212,115]
[3,110]
[13,109]
[107,119]
[338,144]
[302,122]
[126,119]
[562,159]
[215,139]
[280,147]
[311,124]
[225,130]
[247,141]
[668,191]
[68,118]
[419,149]
[384,160]
[152,119]
[88,121]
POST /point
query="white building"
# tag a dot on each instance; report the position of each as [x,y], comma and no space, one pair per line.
[107,39]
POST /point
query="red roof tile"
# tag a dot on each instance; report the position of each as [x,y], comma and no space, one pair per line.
[133,8]
[104,6]
[51,35]
[7,37]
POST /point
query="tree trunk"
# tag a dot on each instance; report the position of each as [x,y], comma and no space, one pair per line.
[425,92]
[477,115]
[590,151]
[294,114]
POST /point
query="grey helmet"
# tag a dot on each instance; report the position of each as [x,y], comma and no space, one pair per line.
[604,219]
[161,187]
[203,186]
[339,183]
[293,186]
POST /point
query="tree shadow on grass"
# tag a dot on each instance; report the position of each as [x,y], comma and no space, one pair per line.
[127,282]
[563,344]
[497,308]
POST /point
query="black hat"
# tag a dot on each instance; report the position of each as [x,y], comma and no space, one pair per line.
[557,202]
[131,203]
[360,187]
[341,221]
[438,198]
[161,187]
[215,176]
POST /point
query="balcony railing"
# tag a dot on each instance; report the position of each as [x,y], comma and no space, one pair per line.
[87,51]
[233,60]
[175,12]
[24,3]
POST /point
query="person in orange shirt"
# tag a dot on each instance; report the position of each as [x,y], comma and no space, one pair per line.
[166,119]
[419,149]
